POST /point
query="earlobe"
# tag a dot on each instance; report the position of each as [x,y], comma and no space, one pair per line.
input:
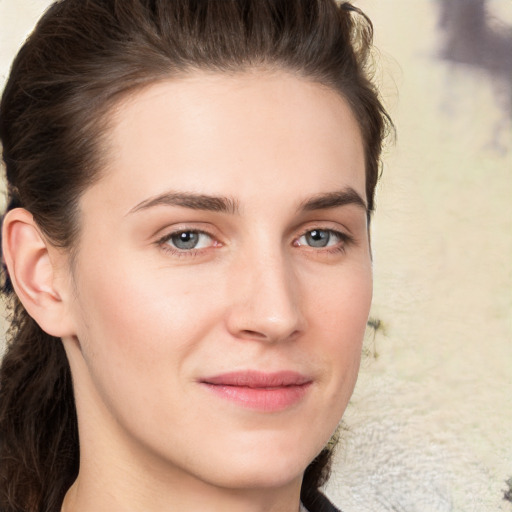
[32,270]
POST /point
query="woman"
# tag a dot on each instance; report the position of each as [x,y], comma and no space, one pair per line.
[186,252]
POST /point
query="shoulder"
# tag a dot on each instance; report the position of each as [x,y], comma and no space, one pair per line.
[320,503]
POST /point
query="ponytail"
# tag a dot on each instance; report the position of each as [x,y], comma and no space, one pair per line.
[38,427]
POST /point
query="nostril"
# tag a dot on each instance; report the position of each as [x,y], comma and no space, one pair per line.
[253,334]
[249,334]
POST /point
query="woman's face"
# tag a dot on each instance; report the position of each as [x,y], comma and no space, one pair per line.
[222,280]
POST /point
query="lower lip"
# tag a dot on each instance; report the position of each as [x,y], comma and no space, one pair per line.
[261,399]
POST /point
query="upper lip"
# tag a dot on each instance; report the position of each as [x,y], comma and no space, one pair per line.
[258,379]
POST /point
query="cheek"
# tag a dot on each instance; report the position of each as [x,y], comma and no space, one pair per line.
[138,337]
[341,304]
[138,325]
[340,315]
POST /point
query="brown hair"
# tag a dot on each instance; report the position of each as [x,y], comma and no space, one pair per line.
[81,58]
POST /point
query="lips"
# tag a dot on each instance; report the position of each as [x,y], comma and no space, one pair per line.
[267,392]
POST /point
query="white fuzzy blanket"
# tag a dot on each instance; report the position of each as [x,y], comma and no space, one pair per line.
[402,454]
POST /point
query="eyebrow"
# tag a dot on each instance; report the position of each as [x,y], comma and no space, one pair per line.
[334,200]
[223,204]
[193,201]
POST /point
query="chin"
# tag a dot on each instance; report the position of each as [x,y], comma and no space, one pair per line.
[266,467]
[264,476]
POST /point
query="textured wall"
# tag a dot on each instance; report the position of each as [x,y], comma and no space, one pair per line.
[430,424]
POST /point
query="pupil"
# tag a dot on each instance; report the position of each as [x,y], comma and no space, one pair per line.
[318,238]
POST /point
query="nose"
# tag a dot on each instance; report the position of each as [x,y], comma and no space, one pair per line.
[266,302]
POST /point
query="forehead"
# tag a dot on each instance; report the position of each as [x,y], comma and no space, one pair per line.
[233,135]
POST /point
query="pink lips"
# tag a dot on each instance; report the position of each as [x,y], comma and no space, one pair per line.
[259,390]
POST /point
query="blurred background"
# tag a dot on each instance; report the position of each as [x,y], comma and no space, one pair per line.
[429,428]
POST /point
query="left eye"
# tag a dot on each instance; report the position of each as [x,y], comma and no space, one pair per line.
[188,240]
[320,238]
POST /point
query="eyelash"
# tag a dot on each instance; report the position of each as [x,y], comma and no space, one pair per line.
[345,241]
[190,253]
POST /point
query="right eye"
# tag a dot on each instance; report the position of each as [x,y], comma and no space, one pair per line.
[187,240]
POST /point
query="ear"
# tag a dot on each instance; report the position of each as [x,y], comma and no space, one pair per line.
[36,271]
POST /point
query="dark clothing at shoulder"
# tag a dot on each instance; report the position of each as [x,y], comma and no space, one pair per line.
[319,503]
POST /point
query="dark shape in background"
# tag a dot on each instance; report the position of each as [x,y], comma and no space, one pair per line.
[508,494]
[476,38]
[472,38]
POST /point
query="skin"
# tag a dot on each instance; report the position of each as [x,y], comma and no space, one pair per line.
[147,321]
